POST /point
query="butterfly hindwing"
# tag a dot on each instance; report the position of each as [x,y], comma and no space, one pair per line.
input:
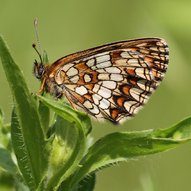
[113,81]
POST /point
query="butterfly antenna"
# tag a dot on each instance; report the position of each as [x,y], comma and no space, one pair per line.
[34,46]
[38,41]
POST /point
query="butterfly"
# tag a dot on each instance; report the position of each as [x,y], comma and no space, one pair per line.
[112,81]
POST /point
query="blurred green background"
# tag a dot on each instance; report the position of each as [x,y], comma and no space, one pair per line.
[67,26]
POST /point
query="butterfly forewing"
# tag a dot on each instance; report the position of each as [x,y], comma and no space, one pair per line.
[112,81]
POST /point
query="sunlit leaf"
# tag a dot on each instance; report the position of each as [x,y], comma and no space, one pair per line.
[76,146]
[29,123]
[122,146]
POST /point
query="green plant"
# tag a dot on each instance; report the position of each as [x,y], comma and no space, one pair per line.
[53,153]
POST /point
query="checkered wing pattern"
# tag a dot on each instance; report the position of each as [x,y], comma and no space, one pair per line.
[113,81]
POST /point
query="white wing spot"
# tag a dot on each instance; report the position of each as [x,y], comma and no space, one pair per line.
[96,88]
[100,70]
[72,72]
[161,49]
[103,58]
[138,95]
[125,55]
[109,84]
[121,62]
[96,98]
[87,104]
[116,77]
[104,104]
[70,86]
[133,62]
[131,107]
[102,65]
[87,78]
[90,63]
[104,92]
[144,73]
[103,76]
[160,43]
[67,66]
[133,92]
[81,90]
[113,70]
[143,86]
[144,51]
[74,79]
[154,48]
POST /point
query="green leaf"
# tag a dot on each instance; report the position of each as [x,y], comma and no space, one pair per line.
[44,114]
[78,144]
[63,144]
[85,121]
[6,161]
[68,113]
[31,133]
[122,146]
[179,132]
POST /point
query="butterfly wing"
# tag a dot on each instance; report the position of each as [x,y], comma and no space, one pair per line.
[113,81]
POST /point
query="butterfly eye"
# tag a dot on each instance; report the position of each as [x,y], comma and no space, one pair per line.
[41,70]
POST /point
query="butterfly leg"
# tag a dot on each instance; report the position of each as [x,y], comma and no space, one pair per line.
[41,90]
[72,104]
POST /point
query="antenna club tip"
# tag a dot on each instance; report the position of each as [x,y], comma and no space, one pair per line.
[34,45]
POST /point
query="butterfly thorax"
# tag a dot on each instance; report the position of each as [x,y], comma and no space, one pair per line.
[53,88]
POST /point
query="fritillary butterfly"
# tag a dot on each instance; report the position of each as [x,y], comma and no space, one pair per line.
[112,81]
